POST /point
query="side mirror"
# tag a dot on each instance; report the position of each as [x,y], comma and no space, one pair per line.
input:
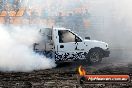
[87,38]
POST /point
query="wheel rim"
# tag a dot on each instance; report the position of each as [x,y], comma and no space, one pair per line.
[94,57]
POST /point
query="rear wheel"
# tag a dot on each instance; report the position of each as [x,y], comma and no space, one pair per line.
[94,56]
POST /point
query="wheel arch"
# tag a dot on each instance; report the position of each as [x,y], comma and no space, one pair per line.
[95,48]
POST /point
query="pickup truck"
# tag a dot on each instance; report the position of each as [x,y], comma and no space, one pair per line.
[64,45]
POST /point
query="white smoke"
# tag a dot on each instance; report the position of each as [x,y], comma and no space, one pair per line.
[112,18]
[111,22]
[16,50]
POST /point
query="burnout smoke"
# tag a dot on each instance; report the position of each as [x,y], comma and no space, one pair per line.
[111,22]
[16,52]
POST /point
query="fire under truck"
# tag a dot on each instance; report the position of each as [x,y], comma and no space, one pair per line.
[64,45]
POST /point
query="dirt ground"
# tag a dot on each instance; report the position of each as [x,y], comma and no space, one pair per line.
[61,77]
[65,75]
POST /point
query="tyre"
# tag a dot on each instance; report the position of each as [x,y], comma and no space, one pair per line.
[94,56]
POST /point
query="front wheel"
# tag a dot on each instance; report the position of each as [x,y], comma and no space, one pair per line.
[94,56]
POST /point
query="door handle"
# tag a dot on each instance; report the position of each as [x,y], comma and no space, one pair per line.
[79,49]
[61,46]
[82,49]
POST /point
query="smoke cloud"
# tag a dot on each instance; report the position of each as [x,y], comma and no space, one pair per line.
[111,22]
[16,50]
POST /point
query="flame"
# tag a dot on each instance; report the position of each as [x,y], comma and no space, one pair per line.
[81,71]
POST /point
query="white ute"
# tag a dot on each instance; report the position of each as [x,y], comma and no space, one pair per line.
[65,45]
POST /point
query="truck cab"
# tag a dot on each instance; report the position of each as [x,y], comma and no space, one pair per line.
[65,45]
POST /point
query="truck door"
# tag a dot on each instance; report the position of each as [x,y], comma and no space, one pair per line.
[66,41]
[80,48]
[68,46]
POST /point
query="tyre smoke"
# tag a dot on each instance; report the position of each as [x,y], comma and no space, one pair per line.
[16,50]
[111,22]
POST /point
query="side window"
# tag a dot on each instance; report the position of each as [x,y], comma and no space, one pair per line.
[78,39]
[65,36]
[60,36]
